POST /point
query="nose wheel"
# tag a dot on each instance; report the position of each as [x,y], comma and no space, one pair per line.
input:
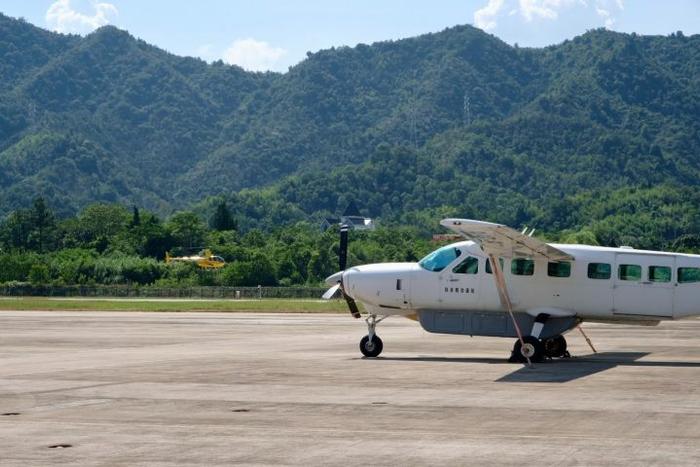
[371,345]
[371,348]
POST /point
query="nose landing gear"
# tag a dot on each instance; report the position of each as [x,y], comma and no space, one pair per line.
[371,345]
[371,348]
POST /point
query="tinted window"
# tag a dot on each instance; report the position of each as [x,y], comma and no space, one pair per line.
[440,259]
[629,272]
[562,269]
[522,267]
[469,266]
[688,275]
[488,265]
[659,274]
[598,271]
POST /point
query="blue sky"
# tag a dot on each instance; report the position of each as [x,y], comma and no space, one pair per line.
[275,34]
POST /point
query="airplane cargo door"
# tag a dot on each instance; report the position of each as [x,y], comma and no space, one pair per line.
[459,285]
[644,285]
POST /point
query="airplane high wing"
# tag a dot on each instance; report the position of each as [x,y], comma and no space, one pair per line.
[501,240]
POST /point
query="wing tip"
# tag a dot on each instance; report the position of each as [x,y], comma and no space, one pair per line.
[455,222]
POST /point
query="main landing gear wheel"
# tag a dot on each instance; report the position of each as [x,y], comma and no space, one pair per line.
[533,349]
[371,349]
[555,347]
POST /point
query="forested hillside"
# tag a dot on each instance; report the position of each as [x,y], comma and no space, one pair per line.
[600,133]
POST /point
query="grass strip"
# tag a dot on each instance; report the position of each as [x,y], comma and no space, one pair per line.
[116,304]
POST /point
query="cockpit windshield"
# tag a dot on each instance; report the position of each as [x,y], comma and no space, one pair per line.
[440,259]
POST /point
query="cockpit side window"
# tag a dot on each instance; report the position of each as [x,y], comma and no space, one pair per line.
[440,259]
[470,265]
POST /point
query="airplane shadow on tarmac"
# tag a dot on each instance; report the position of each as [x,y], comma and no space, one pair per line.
[560,370]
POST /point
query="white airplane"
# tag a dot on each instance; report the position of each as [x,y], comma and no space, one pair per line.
[535,292]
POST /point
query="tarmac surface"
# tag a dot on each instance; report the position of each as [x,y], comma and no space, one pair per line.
[261,389]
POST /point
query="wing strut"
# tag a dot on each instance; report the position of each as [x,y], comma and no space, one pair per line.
[590,344]
[505,298]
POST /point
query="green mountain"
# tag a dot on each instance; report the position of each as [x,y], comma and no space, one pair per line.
[451,122]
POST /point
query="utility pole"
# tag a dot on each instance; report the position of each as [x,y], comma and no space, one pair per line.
[413,124]
[467,109]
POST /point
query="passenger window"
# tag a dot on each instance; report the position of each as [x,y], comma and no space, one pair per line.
[686,275]
[559,269]
[469,266]
[659,274]
[598,271]
[488,265]
[629,272]
[522,267]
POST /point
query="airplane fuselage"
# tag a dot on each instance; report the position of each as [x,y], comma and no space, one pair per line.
[601,284]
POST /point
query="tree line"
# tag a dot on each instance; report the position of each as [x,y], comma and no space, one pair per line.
[112,244]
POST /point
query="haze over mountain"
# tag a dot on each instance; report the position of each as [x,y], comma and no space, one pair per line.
[456,121]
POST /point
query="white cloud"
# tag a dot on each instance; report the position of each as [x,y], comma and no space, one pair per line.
[604,10]
[605,14]
[254,55]
[61,17]
[531,10]
[545,9]
[485,18]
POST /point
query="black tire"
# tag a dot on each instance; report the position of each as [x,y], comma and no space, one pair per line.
[555,347]
[537,348]
[371,350]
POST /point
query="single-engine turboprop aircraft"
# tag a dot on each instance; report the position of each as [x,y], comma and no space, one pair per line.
[505,283]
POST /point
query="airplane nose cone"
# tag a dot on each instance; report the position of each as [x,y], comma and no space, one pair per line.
[334,278]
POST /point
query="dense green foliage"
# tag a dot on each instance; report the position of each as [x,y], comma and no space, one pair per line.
[108,244]
[596,139]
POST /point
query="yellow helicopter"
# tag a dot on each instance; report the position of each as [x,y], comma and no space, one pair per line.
[205,260]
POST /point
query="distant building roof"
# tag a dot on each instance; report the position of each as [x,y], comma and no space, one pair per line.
[351,217]
[352,210]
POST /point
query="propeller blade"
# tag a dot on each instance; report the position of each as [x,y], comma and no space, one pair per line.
[343,250]
[338,276]
[331,292]
[354,311]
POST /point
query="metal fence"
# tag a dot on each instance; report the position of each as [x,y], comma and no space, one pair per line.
[28,290]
